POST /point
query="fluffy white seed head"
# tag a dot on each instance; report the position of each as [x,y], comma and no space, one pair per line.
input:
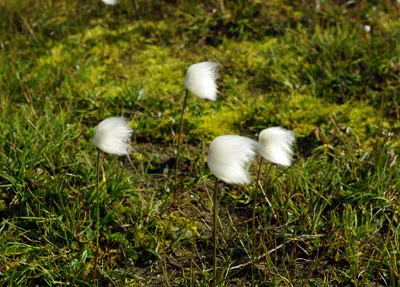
[228,156]
[113,135]
[110,2]
[201,80]
[276,145]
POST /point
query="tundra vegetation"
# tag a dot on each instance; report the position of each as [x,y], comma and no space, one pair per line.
[328,70]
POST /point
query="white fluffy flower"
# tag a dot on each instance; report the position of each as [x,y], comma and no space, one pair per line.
[276,145]
[113,136]
[228,156]
[110,2]
[200,80]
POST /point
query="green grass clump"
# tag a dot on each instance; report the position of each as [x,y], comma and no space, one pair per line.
[332,219]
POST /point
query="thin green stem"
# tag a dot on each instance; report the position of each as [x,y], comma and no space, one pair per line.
[125,174]
[253,231]
[97,217]
[214,231]
[267,171]
[253,219]
[165,269]
[385,245]
[222,6]
[178,150]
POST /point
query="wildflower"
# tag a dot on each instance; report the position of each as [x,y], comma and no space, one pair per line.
[228,156]
[276,145]
[200,80]
[113,136]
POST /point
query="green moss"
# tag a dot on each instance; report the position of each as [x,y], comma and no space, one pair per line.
[159,70]
[364,122]
[270,62]
[222,122]
[97,32]
[246,54]
[178,226]
[95,73]
[56,56]
[303,113]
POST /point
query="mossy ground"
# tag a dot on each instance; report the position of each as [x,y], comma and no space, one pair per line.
[332,219]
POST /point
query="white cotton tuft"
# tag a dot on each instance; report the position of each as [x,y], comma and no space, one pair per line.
[201,80]
[113,135]
[110,2]
[276,145]
[367,28]
[228,156]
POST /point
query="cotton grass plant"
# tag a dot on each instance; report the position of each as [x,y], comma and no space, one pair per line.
[228,157]
[200,80]
[275,145]
[112,136]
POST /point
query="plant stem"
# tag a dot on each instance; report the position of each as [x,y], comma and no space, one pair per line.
[214,232]
[268,169]
[178,150]
[383,252]
[97,217]
[165,270]
[253,220]
[222,6]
